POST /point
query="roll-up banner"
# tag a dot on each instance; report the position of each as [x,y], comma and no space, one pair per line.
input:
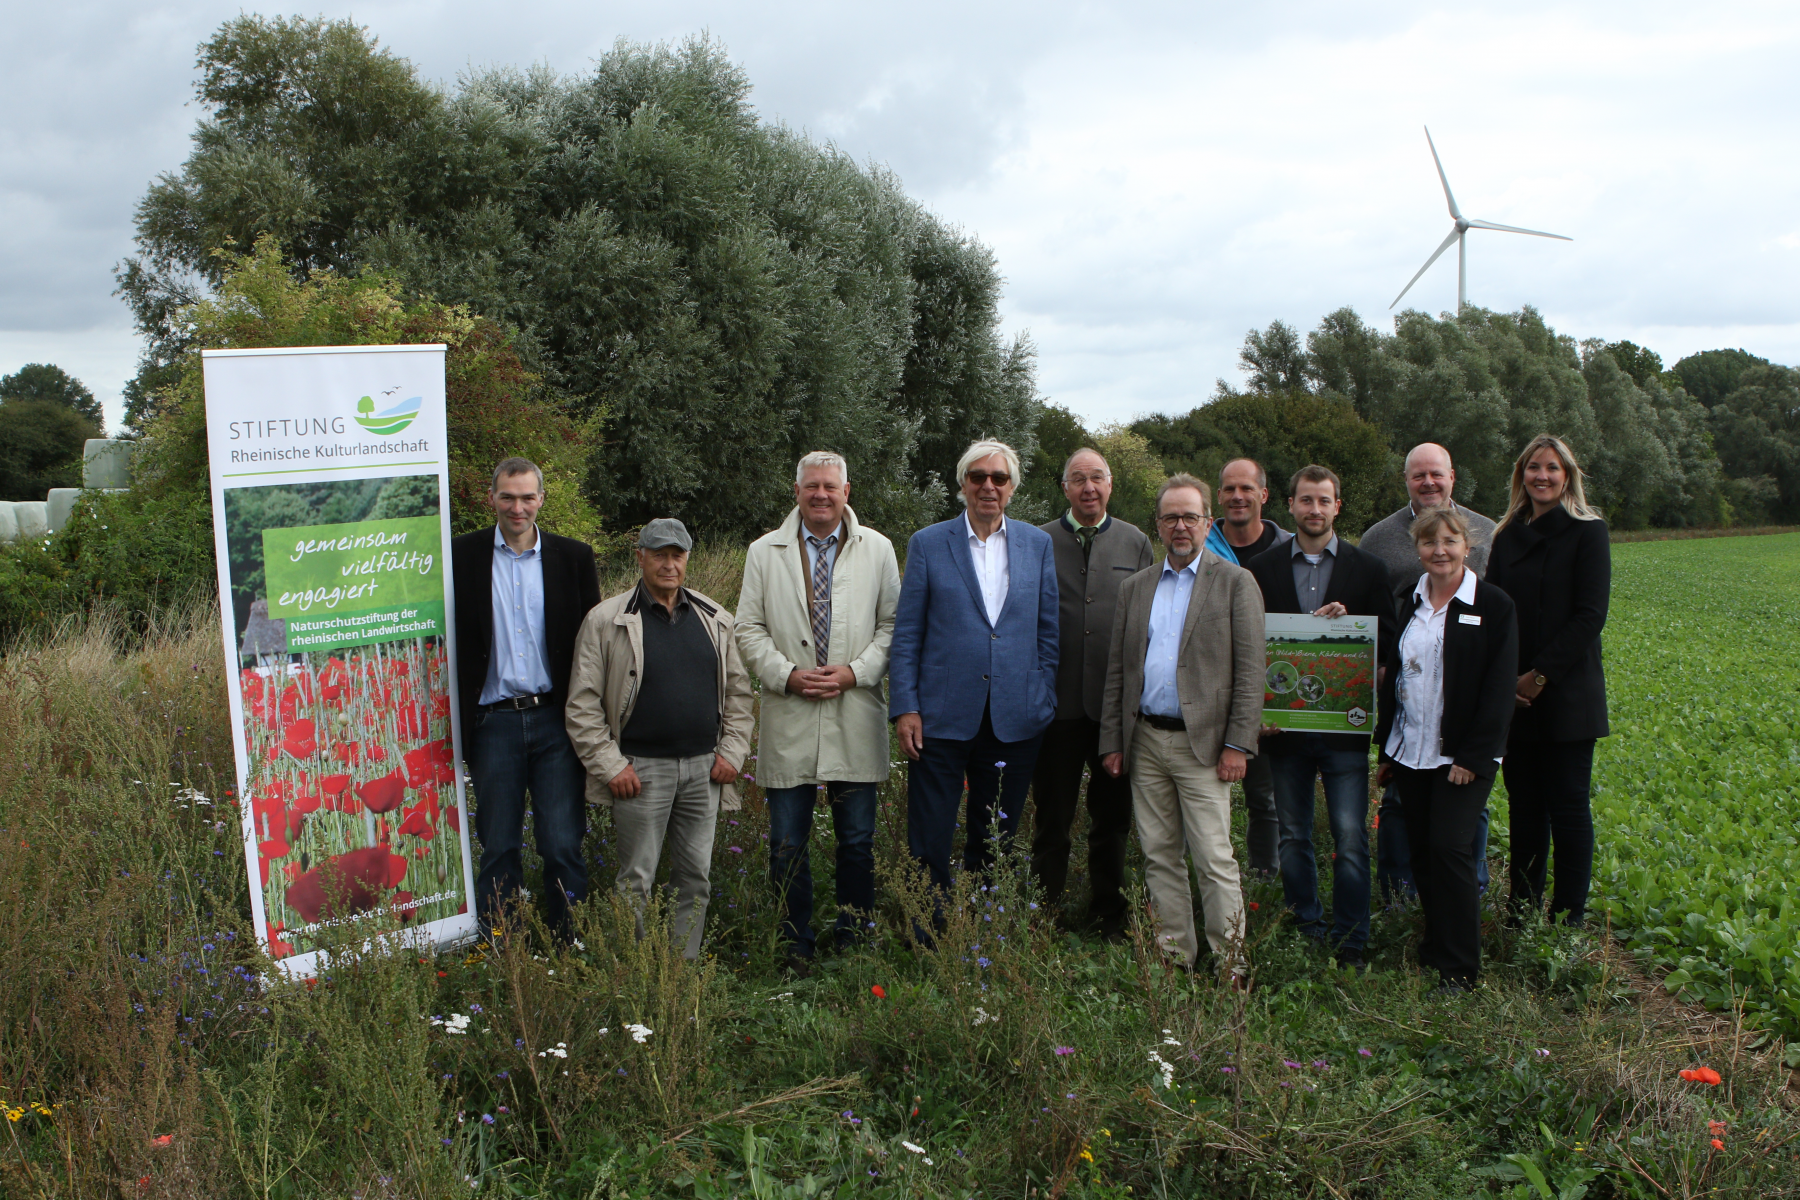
[331,522]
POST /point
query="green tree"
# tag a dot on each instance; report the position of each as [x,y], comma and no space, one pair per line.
[1712,375]
[1284,433]
[40,447]
[1757,431]
[1636,361]
[43,381]
[722,293]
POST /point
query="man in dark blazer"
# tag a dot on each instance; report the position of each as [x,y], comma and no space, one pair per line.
[1319,573]
[521,595]
[972,671]
[1095,553]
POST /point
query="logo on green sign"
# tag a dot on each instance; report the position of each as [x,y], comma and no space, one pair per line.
[390,420]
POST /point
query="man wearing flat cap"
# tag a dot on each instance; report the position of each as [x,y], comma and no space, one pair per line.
[659,711]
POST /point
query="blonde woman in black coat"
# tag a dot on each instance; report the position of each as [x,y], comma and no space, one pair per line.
[1553,557]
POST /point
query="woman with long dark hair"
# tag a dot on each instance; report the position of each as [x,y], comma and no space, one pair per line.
[1553,557]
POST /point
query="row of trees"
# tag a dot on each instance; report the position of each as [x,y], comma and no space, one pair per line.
[46,416]
[708,295]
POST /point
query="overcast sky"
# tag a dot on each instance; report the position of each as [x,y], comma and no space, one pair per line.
[1155,178]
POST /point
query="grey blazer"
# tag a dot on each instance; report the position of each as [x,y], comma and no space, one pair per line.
[1220,673]
[1087,593]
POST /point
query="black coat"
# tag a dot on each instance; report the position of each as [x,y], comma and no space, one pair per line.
[1479,679]
[1558,570]
[571,588]
[1359,581]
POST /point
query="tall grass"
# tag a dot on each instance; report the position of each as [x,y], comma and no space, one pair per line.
[144,1051]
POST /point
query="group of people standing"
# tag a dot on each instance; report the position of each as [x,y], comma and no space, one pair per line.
[1015,661]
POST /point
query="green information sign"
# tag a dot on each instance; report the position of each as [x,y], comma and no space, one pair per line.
[1320,673]
[350,584]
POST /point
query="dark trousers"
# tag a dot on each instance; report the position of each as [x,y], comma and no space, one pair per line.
[1262,824]
[790,859]
[1547,786]
[1068,748]
[995,771]
[516,753]
[1441,820]
[1393,857]
[1305,757]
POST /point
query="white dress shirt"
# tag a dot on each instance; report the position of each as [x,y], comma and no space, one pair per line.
[1419,690]
[518,664]
[992,567]
[1168,614]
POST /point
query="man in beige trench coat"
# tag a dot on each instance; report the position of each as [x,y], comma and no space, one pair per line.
[814,622]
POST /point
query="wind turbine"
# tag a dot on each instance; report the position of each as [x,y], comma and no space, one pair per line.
[1457,234]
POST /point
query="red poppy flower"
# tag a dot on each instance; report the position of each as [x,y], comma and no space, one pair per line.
[296,820]
[277,947]
[383,794]
[273,848]
[1702,1075]
[419,766]
[347,752]
[346,882]
[1717,1144]
[418,824]
[307,803]
[879,992]
[334,785]
[299,740]
[377,753]
[453,818]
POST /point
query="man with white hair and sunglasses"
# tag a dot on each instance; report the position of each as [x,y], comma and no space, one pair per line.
[972,674]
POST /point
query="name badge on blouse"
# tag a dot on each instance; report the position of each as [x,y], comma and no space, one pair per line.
[1469,619]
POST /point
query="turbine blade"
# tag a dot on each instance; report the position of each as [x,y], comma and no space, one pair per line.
[1435,255]
[1455,213]
[1516,229]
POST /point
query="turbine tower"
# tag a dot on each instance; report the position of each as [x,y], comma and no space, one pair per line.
[1457,234]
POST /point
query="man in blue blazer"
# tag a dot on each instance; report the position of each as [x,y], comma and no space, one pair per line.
[972,672]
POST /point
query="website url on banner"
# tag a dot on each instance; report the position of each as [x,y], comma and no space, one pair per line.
[351,919]
[371,625]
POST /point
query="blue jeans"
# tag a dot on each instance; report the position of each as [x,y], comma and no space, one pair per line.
[1393,857]
[512,753]
[934,788]
[790,859]
[1303,758]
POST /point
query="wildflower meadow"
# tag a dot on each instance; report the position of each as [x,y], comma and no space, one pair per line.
[148,1048]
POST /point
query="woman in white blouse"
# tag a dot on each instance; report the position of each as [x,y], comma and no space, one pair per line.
[1447,700]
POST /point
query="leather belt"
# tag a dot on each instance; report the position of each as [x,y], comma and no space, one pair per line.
[518,703]
[1169,724]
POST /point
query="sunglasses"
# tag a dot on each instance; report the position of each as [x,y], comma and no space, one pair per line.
[998,478]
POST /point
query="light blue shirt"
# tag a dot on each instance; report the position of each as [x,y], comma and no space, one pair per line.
[518,665]
[1168,613]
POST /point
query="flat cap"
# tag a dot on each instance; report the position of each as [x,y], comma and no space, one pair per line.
[665,531]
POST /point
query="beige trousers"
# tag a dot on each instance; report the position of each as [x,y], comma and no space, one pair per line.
[1178,803]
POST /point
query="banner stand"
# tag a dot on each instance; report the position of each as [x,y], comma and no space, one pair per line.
[331,526]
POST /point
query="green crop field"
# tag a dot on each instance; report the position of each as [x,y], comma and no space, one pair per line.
[1697,792]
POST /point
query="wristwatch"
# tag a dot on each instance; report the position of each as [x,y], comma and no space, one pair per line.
[1539,679]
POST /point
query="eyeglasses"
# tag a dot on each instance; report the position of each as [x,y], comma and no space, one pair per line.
[1084,480]
[999,478]
[1186,520]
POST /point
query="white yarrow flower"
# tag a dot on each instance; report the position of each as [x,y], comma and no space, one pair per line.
[639,1033]
[913,1148]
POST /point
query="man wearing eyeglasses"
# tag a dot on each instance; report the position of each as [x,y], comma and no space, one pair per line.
[1095,553]
[972,671]
[1184,687]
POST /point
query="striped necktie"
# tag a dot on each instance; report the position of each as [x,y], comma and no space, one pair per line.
[821,595]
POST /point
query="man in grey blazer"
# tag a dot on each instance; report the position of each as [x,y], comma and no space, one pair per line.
[1095,553]
[1184,690]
